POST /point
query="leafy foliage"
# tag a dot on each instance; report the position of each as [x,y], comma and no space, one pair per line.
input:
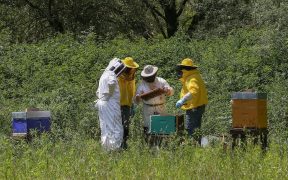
[61,75]
[34,20]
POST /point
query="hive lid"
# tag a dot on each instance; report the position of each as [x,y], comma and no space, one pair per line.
[38,114]
[248,95]
[19,115]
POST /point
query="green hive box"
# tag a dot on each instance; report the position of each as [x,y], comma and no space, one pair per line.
[162,124]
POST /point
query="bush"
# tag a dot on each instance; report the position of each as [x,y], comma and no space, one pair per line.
[61,74]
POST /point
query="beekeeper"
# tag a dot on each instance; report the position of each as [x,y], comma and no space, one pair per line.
[193,96]
[108,105]
[127,92]
[155,105]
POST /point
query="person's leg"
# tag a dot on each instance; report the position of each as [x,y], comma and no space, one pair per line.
[125,113]
[146,134]
[193,121]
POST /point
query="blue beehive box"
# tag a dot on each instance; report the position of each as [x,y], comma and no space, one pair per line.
[19,123]
[24,122]
[162,124]
[38,120]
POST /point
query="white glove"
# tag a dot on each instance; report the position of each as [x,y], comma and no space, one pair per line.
[105,97]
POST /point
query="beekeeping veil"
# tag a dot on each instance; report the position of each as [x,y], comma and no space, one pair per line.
[117,66]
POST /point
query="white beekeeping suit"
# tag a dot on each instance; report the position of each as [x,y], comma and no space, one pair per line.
[109,111]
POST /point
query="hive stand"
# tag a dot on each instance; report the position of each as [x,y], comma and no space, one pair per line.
[156,138]
[255,133]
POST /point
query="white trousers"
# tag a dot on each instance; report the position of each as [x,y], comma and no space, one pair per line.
[110,124]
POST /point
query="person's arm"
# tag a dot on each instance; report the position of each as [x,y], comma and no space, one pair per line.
[183,100]
[192,88]
[111,82]
[169,91]
[137,98]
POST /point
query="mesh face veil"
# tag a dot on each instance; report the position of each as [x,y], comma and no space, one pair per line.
[118,67]
[179,74]
[179,70]
[129,73]
[150,79]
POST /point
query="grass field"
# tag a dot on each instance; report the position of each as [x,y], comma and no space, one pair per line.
[76,158]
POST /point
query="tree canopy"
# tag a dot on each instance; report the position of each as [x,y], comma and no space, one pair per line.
[32,20]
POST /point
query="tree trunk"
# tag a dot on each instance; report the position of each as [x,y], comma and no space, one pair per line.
[197,18]
[170,16]
[172,22]
[57,25]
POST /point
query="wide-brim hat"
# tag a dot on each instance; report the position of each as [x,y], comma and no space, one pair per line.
[149,70]
[187,63]
[130,63]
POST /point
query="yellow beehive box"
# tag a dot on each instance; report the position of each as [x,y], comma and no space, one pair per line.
[249,110]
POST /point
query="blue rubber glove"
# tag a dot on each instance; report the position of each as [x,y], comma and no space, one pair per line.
[132,111]
[180,103]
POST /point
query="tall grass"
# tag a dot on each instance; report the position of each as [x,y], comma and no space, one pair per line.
[84,159]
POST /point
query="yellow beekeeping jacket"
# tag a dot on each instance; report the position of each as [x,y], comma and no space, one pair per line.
[127,91]
[192,82]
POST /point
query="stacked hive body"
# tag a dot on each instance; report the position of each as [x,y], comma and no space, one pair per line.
[249,110]
[19,124]
[24,122]
[166,124]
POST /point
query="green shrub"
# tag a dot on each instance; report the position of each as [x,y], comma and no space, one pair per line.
[61,74]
